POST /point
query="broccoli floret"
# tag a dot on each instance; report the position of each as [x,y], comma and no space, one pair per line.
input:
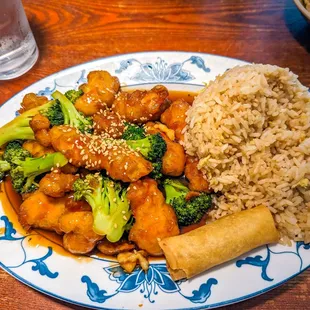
[109,204]
[24,171]
[54,114]
[133,132]
[152,147]
[73,95]
[19,127]
[71,115]
[187,211]
[156,172]
[4,168]
[15,151]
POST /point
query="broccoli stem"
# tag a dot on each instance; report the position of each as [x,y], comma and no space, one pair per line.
[8,134]
[4,166]
[71,115]
[19,128]
[24,172]
[174,189]
[43,164]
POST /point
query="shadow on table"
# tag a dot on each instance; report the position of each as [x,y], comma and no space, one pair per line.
[297,25]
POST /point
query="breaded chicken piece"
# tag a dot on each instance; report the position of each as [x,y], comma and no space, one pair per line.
[141,105]
[174,158]
[40,126]
[36,149]
[41,211]
[96,153]
[79,236]
[174,117]
[90,103]
[99,92]
[77,244]
[154,219]
[69,169]
[110,123]
[113,248]
[195,177]
[73,205]
[56,184]
[31,101]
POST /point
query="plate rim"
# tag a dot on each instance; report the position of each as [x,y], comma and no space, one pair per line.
[70,301]
[121,55]
[211,306]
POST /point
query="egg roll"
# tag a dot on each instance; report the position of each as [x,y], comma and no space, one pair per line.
[189,254]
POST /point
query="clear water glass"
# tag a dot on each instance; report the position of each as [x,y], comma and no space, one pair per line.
[18,48]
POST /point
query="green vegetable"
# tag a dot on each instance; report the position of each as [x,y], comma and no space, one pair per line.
[73,95]
[24,171]
[19,127]
[71,115]
[156,172]
[152,147]
[187,211]
[54,114]
[133,132]
[15,151]
[4,168]
[109,204]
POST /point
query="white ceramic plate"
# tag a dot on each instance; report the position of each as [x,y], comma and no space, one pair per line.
[101,283]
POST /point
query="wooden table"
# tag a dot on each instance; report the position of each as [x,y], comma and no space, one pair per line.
[71,32]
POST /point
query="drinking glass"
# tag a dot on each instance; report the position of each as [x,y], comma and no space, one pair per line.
[18,48]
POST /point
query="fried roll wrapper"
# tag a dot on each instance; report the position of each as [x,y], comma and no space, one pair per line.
[218,242]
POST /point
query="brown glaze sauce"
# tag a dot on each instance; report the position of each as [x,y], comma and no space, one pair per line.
[11,202]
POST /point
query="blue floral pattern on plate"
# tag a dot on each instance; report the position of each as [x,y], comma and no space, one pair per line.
[39,263]
[258,260]
[157,277]
[161,71]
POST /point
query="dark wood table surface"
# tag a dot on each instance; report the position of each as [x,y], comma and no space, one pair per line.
[69,32]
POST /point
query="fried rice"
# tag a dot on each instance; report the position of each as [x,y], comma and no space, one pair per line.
[250,129]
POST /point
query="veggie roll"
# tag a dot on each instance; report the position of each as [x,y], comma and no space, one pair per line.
[220,241]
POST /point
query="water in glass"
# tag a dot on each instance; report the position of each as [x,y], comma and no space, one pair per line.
[18,49]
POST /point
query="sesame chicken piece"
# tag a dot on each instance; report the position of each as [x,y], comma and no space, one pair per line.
[43,137]
[90,103]
[69,169]
[110,123]
[31,101]
[56,184]
[174,158]
[99,92]
[36,149]
[73,205]
[197,182]
[79,236]
[40,126]
[98,153]
[174,117]
[41,211]
[141,105]
[77,243]
[154,219]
